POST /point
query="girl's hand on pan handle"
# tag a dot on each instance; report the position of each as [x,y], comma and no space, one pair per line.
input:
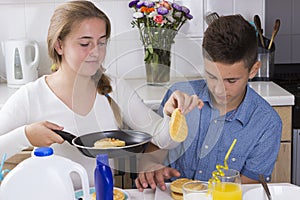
[40,134]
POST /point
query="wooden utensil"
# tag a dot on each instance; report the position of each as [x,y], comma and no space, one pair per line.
[257,23]
[274,33]
[265,186]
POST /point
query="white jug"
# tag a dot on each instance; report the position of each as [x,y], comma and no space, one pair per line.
[21,61]
[43,176]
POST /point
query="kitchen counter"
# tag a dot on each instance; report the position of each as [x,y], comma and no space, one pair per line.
[152,95]
[271,92]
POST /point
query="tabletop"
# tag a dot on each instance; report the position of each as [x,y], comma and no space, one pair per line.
[150,194]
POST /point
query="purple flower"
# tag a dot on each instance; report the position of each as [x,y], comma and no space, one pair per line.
[133,3]
[162,10]
[139,4]
[189,16]
[176,6]
[149,4]
[185,10]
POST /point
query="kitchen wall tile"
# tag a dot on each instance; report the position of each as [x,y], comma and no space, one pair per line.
[12,1]
[38,20]
[108,8]
[295,49]
[12,23]
[295,17]
[220,6]
[283,12]
[188,63]
[39,1]
[111,53]
[244,7]
[284,53]
[60,1]
[122,17]
[45,62]
[37,23]
[12,20]
[129,58]
[30,18]
[194,27]
[250,8]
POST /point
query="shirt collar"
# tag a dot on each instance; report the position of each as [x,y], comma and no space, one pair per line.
[242,113]
[205,96]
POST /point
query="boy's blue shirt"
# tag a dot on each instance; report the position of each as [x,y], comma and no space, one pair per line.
[255,125]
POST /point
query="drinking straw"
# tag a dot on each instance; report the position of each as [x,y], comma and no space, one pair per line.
[219,168]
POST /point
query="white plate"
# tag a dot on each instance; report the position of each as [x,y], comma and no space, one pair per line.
[163,195]
[79,193]
[277,193]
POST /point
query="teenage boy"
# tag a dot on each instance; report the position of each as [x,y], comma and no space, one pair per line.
[232,110]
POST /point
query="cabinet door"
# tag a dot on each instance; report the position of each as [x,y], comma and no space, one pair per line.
[282,169]
[285,113]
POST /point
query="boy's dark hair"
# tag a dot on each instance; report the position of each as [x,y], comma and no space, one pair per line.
[230,39]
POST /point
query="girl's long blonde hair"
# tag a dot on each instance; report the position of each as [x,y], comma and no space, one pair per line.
[65,17]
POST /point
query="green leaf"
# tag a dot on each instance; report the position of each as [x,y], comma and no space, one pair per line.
[155,58]
[147,56]
[150,49]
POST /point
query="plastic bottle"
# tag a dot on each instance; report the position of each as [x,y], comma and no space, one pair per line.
[43,176]
[103,178]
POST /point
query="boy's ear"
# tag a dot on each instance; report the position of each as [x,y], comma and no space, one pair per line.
[58,47]
[254,69]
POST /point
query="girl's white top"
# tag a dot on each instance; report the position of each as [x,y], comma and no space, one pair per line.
[36,102]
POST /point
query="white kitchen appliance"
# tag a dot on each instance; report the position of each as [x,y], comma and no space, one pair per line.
[21,61]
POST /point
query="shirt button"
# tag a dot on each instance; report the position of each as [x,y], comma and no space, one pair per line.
[233,159]
[206,146]
[215,121]
[268,178]
[200,171]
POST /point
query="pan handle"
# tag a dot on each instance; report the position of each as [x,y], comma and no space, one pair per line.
[65,135]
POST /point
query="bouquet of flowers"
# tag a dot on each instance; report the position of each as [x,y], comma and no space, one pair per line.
[158,22]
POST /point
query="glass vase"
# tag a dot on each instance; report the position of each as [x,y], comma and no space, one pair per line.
[158,67]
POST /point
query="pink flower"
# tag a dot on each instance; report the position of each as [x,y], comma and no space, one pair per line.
[158,19]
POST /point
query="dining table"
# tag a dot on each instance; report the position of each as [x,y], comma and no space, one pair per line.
[149,194]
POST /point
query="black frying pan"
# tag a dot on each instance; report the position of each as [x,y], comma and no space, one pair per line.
[135,142]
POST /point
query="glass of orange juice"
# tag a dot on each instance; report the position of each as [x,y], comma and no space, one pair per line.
[229,186]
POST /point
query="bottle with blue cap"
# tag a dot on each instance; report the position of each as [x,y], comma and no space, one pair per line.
[43,176]
[103,178]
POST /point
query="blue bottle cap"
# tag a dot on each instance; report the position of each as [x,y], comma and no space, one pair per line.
[102,159]
[43,151]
